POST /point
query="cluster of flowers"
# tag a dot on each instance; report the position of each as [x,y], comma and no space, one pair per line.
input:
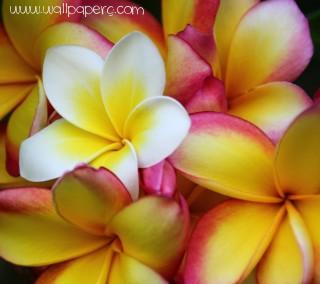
[132,153]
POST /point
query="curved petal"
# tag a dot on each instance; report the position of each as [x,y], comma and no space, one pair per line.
[133,71]
[33,234]
[71,78]
[297,163]
[13,68]
[229,156]
[29,117]
[268,39]
[229,15]
[290,256]
[89,198]
[70,34]
[221,250]
[176,15]
[272,107]
[24,21]
[310,212]
[91,268]
[128,270]
[153,230]
[124,164]
[120,24]
[59,148]
[156,127]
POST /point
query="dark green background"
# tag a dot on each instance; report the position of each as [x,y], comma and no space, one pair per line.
[310,81]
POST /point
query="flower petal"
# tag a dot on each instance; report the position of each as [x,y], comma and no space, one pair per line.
[128,270]
[71,34]
[229,156]
[71,77]
[133,71]
[221,250]
[29,117]
[297,161]
[272,107]
[123,163]
[186,70]
[290,256]
[153,230]
[33,234]
[120,24]
[58,148]
[176,15]
[156,127]
[13,68]
[89,198]
[91,268]
[24,21]
[268,39]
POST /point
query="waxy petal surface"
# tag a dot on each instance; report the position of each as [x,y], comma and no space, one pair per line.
[58,148]
[227,155]
[71,78]
[156,127]
[221,249]
[89,198]
[268,39]
[297,163]
[272,107]
[33,234]
[133,72]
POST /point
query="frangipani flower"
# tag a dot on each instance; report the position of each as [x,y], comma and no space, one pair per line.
[114,114]
[89,231]
[274,224]
[24,40]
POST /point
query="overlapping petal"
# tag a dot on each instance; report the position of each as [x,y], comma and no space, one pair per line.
[297,161]
[89,198]
[71,77]
[272,107]
[59,148]
[133,71]
[33,234]
[156,127]
[229,156]
[221,250]
[271,36]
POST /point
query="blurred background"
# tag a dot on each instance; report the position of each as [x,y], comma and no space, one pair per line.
[310,81]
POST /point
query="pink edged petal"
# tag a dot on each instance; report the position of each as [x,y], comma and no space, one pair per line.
[120,24]
[24,28]
[128,270]
[59,148]
[297,163]
[153,230]
[271,36]
[89,198]
[176,15]
[124,164]
[210,97]
[186,70]
[33,234]
[13,68]
[221,250]
[91,268]
[156,127]
[290,256]
[28,118]
[159,179]
[228,155]
[71,78]
[70,34]
[272,107]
